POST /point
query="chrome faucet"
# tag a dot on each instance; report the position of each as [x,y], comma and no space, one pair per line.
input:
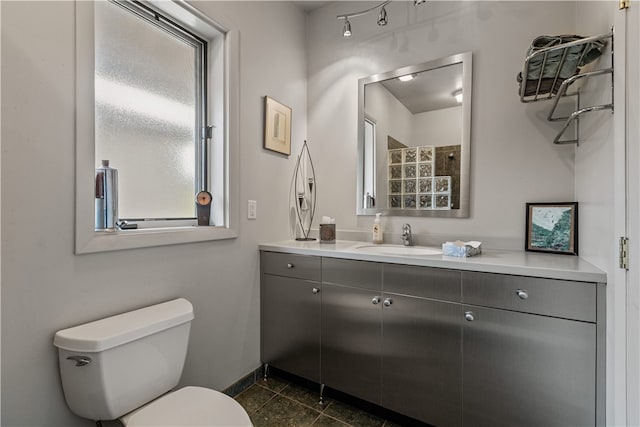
[406,237]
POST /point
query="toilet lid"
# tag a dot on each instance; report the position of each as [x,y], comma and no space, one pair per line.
[190,406]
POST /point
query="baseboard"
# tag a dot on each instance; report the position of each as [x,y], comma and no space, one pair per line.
[243,383]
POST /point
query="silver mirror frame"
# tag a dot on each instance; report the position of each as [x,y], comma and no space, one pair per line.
[465,157]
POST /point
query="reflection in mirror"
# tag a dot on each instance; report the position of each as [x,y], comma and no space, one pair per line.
[414,140]
[369,162]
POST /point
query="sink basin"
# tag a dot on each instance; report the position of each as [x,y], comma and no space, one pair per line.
[398,250]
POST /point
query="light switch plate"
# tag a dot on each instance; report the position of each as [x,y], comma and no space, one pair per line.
[252,209]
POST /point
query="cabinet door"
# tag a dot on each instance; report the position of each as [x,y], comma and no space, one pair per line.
[351,340]
[290,325]
[527,370]
[422,359]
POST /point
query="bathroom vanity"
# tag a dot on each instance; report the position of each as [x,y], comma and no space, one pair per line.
[505,338]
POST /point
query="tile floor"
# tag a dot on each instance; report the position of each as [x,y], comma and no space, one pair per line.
[280,402]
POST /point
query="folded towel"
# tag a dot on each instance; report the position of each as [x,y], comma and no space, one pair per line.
[554,67]
[546,86]
[573,60]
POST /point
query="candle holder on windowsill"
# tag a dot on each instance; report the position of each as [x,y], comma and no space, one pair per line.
[304,192]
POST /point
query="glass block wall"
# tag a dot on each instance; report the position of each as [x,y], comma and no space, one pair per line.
[412,180]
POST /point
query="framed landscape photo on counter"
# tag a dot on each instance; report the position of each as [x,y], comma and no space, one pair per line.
[552,227]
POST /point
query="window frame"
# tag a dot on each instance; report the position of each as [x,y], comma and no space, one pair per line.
[87,239]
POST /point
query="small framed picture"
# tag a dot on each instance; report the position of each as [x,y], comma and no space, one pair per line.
[552,227]
[277,126]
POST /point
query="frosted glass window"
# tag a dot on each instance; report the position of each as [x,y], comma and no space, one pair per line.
[148,109]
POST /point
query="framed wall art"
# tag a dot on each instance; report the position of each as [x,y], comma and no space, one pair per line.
[552,227]
[277,126]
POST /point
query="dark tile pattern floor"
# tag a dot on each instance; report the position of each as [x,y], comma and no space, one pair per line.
[278,402]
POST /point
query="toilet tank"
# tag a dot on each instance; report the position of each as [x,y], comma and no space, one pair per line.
[112,366]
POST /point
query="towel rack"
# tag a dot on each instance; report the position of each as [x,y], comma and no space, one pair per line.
[538,89]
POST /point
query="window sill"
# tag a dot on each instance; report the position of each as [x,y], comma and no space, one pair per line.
[104,241]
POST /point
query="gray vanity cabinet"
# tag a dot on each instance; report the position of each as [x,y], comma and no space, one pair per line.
[421,360]
[524,368]
[351,335]
[446,347]
[290,313]
[422,344]
[352,327]
[400,348]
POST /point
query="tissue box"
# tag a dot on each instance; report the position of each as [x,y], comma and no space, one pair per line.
[461,249]
[327,233]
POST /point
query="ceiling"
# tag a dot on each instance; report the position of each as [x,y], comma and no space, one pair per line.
[429,90]
[309,5]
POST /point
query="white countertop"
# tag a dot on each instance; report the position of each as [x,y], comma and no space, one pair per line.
[521,263]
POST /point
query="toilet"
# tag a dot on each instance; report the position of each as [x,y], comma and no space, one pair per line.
[126,366]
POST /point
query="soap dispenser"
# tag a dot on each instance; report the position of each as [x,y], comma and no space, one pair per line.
[377,229]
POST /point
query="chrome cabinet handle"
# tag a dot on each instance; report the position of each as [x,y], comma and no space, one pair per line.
[387,302]
[469,316]
[375,300]
[315,290]
[522,294]
[290,266]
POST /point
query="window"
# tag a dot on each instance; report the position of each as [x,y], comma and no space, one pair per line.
[150,111]
[157,97]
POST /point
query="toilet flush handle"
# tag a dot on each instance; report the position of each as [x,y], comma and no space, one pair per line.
[80,360]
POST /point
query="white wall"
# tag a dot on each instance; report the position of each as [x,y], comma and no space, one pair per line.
[45,287]
[391,116]
[392,119]
[438,127]
[513,160]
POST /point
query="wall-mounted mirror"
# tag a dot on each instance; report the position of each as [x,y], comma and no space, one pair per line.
[414,131]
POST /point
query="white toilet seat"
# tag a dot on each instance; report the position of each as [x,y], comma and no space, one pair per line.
[190,406]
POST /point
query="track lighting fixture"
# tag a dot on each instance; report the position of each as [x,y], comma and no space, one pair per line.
[346,31]
[382,15]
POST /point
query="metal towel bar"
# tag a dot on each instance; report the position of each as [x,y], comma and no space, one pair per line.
[544,91]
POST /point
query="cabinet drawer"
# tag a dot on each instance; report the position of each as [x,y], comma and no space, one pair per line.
[559,298]
[290,265]
[359,274]
[425,282]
